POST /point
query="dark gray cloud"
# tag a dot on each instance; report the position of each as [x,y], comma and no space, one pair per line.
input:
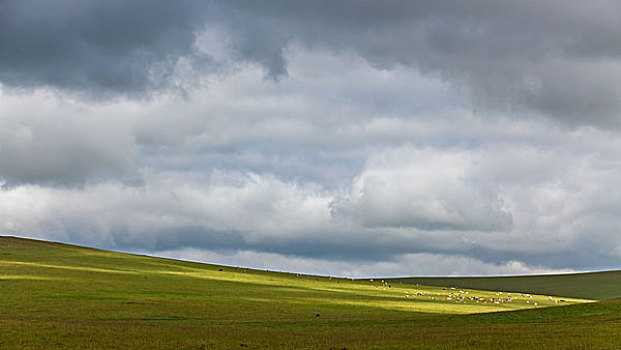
[101,48]
[556,58]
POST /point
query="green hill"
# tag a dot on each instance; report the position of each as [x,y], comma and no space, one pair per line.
[55,296]
[591,285]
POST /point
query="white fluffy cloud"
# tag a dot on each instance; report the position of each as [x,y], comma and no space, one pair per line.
[223,206]
[422,189]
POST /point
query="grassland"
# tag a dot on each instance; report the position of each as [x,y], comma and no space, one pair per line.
[592,285]
[59,296]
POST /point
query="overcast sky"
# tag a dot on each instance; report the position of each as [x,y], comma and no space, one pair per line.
[349,138]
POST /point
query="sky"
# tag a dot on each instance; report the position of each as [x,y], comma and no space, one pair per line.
[353,138]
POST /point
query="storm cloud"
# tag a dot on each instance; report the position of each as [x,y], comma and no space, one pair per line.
[351,138]
[103,48]
[556,58]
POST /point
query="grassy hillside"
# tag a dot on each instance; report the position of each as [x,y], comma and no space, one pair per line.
[592,285]
[59,296]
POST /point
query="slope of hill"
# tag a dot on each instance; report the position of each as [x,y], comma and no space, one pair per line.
[54,296]
[591,285]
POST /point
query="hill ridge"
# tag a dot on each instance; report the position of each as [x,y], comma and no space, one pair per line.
[589,285]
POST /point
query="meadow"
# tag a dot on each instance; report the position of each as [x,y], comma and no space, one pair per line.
[58,296]
[592,285]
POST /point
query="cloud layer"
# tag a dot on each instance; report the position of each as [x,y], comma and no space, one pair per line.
[338,138]
[558,58]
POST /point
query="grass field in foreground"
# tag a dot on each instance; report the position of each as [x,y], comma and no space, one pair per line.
[59,296]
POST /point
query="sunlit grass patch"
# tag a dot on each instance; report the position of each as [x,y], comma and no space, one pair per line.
[30,277]
[64,267]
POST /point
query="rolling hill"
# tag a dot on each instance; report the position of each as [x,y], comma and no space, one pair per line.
[55,295]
